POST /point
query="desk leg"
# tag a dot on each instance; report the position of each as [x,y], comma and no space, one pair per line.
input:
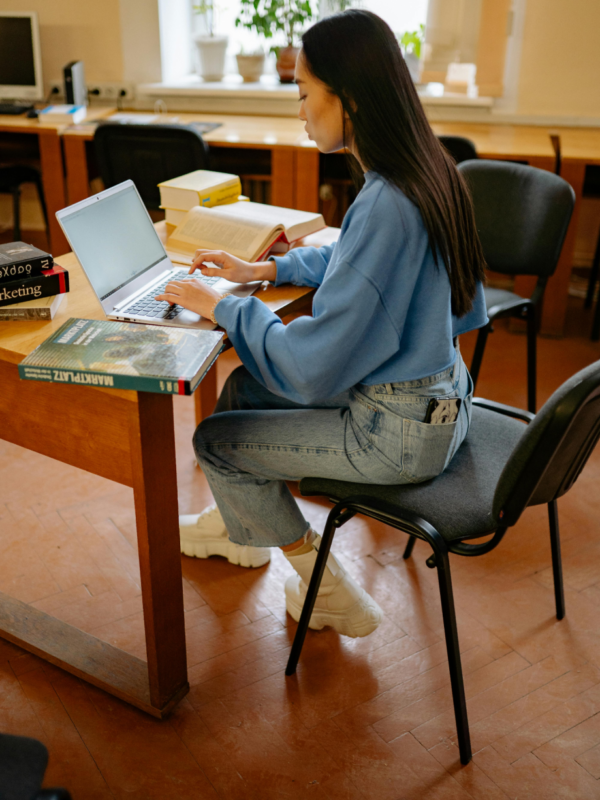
[205,396]
[307,180]
[78,180]
[54,187]
[283,174]
[556,295]
[152,443]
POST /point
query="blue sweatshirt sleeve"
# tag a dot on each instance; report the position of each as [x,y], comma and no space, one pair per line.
[303,266]
[313,358]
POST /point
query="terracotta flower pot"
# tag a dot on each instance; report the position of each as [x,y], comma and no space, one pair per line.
[286,63]
[251,67]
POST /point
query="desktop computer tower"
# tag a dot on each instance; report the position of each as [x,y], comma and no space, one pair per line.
[75,88]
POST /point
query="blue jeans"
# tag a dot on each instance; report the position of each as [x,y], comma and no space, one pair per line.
[256,440]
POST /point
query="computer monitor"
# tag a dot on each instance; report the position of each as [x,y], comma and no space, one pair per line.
[20,56]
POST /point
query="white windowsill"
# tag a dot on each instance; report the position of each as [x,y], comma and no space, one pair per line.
[267,96]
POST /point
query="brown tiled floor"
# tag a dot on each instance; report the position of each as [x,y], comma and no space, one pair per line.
[369,718]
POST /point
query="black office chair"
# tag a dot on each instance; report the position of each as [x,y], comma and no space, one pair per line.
[522,215]
[147,155]
[23,762]
[501,468]
[11,180]
[460,149]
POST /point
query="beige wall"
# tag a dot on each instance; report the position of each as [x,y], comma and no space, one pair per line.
[77,29]
[560,60]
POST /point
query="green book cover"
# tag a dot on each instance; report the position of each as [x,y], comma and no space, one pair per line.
[124,355]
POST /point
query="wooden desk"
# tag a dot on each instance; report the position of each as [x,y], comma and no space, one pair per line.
[53,179]
[579,148]
[294,158]
[127,437]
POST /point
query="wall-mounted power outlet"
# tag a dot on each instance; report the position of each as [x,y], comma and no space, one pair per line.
[57,91]
[119,90]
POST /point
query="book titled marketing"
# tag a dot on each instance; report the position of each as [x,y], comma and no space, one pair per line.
[21,260]
[50,282]
[124,355]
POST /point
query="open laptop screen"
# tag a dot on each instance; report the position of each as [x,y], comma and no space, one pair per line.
[113,238]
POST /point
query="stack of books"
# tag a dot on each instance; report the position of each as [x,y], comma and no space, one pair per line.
[31,284]
[200,188]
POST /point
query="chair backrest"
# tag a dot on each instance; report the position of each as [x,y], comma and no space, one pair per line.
[522,215]
[147,155]
[460,149]
[554,448]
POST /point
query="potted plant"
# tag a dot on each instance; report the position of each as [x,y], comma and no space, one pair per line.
[411,42]
[211,48]
[268,17]
[251,65]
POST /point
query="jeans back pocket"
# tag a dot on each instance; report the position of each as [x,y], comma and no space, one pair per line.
[427,449]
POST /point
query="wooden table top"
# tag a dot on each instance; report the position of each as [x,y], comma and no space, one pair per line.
[234,130]
[18,337]
[501,140]
[20,123]
[582,144]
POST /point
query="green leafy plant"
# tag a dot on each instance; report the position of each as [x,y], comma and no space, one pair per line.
[411,41]
[206,9]
[268,17]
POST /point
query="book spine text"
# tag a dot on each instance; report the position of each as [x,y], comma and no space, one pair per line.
[8,313]
[25,269]
[110,381]
[34,287]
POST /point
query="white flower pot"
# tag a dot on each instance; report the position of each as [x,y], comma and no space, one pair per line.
[251,67]
[414,67]
[211,56]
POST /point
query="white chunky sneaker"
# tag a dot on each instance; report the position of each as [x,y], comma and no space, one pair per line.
[340,602]
[204,535]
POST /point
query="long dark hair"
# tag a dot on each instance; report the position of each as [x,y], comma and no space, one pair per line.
[356,55]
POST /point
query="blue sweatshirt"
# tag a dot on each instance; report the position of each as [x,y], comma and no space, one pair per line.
[381,312]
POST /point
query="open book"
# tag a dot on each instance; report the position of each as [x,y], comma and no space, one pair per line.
[246,230]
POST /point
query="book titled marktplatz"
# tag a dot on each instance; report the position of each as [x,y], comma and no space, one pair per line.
[50,282]
[122,355]
[21,260]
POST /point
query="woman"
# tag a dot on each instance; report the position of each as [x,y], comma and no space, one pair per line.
[345,393]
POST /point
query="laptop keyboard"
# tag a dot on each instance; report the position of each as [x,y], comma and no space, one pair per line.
[147,306]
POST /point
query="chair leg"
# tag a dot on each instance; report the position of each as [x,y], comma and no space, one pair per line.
[311,594]
[454,662]
[559,593]
[40,191]
[531,358]
[16,193]
[409,547]
[478,354]
[594,275]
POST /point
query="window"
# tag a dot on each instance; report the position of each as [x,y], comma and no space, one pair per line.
[400,16]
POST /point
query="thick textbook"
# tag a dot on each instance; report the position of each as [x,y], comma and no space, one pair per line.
[45,308]
[19,260]
[51,281]
[62,115]
[246,230]
[174,217]
[200,188]
[124,355]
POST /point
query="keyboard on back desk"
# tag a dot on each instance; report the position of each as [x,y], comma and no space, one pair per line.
[147,306]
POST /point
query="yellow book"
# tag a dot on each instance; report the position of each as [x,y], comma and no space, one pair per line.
[200,188]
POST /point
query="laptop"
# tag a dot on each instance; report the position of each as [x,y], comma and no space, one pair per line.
[113,237]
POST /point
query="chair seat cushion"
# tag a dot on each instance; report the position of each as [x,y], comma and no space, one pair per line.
[499,300]
[458,503]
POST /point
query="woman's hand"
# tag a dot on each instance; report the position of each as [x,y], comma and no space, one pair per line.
[191,294]
[233,269]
